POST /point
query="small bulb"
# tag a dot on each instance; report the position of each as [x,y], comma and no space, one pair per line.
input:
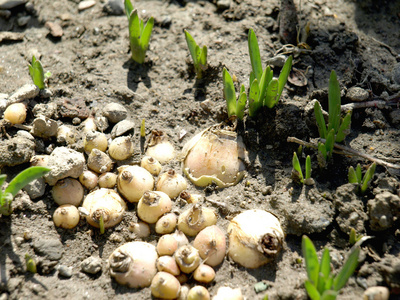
[164,285]
[66,216]
[95,140]
[167,245]
[107,180]
[89,179]
[171,183]
[151,164]
[198,292]
[121,148]
[68,191]
[204,274]
[15,113]
[166,224]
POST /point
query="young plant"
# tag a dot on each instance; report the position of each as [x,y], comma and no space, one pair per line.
[235,108]
[199,55]
[264,89]
[18,182]
[297,174]
[337,128]
[354,237]
[37,74]
[355,176]
[139,34]
[321,283]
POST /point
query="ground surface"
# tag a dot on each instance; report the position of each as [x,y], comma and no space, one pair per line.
[91,62]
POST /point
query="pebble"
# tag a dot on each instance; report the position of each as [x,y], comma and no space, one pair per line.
[42,109]
[28,91]
[86,4]
[115,112]
[357,94]
[52,249]
[9,4]
[11,36]
[5,14]
[114,7]
[65,271]
[17,150]
[223,4]
[376,293]
[44,127]
[71,108]
[64,162]
[55,29]
[91,265]
[22,21]
[46,93]
[122,127]
[36,188]
[394,116]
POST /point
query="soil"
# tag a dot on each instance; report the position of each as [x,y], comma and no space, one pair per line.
[91,65]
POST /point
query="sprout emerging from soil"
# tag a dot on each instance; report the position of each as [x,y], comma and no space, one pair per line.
[199,55]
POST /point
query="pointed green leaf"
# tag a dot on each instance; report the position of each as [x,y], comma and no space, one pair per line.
[322,151]
[329,282]
[146,34]
[203,56]
[128,8]
[334,102]
[283,76]
[352,175]
[320,120]
[255,57]
[329,295]
[2,179]
[134,26]
[367,178]
[297,168]
[192,46]
[241,104]
[311,259]
[24,178]
[254,98]
[352,236]
[229,92]
[271,97]
[312,290]
[330,140]
[242,89]
[308,167]
[263,85]
[347,270]
[358,173]
[325,265]
[344,128]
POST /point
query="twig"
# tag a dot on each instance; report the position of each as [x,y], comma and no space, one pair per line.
[346,151]
[375,103]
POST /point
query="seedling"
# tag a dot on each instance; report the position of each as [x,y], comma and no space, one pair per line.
[321,283]
[37,74]
[30,264]
[297,174]
[264,89]
[235,108]
[199,55]
[139,34]
[355,176]
[19,181]
[337,128]
[354,237]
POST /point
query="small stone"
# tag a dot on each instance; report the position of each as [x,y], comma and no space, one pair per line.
[91,265]
[44,127]
[22,21]
[46,93]
[101,122]
[86,4]
[9,4]
[36,188]
[357,94]
[55,29]
[52,249]
[17,150]
[376,293]
[28,91]
[122,127]
[65,271]
[394,116]
[42,109]
[115,112]
[114,7]
[11,36]
[223,4]
[19,240]
[6,14]
[71,108]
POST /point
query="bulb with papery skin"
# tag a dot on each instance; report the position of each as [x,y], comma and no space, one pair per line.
[133,182]
[153,205]
[160,148]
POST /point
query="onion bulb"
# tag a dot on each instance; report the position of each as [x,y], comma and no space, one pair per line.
[106,204]
[255,238]
[99,162]
[171,183]
[88,179]
[165,286]
[187,257]
[89,125]
[198,292]
[107,180]
[204,273]
[211,244]
[167,245]
[214,155]
[95,140]
[190,198]
[166,224]
[160,148]
[121,148]
[66,134]
[15,113]
[67,191]
[153,205]
[141,229]
[227,293]
[134,264]
[168,264]
[151,164]
[196,218]
[133,181]
[66,216]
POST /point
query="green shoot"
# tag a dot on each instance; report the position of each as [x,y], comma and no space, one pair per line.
[199,55]
[18,182]
[142,129]
[264,89]
[355,176]
[354,237]
[139,34]
[235,108]
[321,283]
[297,174]
[37,74]
[101,224]
[30,264]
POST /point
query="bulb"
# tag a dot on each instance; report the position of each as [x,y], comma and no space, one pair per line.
[198,292]
[165,286]
[187,257]
[15,113]
[141,229]
[168,264]
[133,181]
[204,274]
[196,218]
[66,216]
[171,183]
[153,205]
[160,148]
[66,135]
[88,179]
[167,245]
[108,180]
[121,148]
[151,164]
[166,224]
[227,293]
[211,243]
[95,140]
[67,191]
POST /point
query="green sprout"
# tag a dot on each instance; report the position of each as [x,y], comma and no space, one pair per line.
[355,176]
[321,283]
[297,174]
[30,264]
[354,237]
[337,128]
[264,89]
[143,129]
[101,224]
[235,108]
[37,74]
[199,55]
[19,181]
[139,34]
